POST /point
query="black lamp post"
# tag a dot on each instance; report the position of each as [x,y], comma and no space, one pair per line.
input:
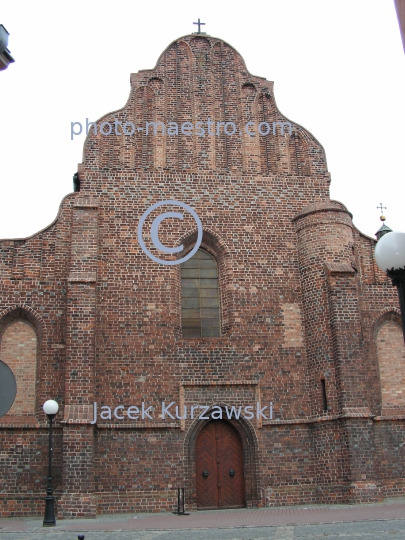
[390,257]
[50,408]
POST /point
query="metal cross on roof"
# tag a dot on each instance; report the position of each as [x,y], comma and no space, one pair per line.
[199,25]
[381,207]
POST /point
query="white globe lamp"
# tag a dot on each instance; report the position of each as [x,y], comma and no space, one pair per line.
[50,407]
[390,258]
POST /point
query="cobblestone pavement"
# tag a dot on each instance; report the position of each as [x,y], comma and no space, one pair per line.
[366,530]
[367,522]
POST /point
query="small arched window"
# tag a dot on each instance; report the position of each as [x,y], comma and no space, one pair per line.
[200,313]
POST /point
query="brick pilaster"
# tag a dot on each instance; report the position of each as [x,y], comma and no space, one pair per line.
[78,434]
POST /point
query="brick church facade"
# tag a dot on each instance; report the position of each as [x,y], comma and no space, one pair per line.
[282,309]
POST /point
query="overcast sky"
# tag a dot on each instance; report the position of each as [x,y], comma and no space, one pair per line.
[338,68]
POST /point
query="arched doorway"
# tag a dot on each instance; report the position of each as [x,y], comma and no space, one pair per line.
[219,467]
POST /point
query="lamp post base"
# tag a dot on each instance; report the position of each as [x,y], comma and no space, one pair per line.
[49,519]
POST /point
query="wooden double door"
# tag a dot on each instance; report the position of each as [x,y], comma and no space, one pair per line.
[219,461]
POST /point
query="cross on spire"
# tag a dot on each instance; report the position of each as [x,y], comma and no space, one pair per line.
[199,27]
[381,207]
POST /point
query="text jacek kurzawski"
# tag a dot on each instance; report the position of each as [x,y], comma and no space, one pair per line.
[172,411]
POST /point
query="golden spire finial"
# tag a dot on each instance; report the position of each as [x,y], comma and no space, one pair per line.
[381,207]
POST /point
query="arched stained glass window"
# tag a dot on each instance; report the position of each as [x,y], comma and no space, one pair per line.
[199,296]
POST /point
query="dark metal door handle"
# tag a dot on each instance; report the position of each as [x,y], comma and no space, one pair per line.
[231,473]
[205,473]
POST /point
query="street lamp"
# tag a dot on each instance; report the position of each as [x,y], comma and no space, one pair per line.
[390,257]
[50,408]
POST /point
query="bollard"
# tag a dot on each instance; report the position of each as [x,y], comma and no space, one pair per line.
[180,503]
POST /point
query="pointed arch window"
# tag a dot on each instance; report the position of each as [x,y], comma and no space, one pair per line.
[391,359]
[18,349]
[200,313]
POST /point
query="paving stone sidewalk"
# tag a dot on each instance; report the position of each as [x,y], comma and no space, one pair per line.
[369,522]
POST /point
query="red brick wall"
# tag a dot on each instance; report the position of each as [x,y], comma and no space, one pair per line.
[24,469]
